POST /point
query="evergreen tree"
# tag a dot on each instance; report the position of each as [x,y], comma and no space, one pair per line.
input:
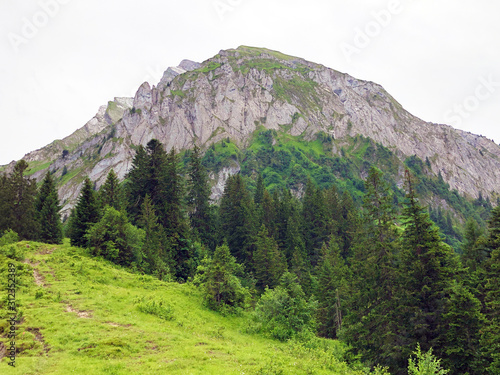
[110,193]
[333,277]
[347,225]
[200,213]
[314,221]
[174,218]
[425,277]
[86,214]
[463,325]
[6,199]
[223,289]
[23,193]
[47,208]
[114,238]
[154,254]
[259,191]
[370,324]
[136,183]
[490,341]
[268,262]
[237,219]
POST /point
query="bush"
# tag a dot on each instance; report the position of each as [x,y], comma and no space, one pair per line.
[425,364]
[9,237]
[284,312]
[114,238]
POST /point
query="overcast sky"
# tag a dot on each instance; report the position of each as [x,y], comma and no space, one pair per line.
[62,59]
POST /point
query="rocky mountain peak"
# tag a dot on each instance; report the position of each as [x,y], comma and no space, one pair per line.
[239,91]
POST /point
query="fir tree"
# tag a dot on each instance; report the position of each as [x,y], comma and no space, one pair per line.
[85,215]
[47,207]
[136,183]
[333,277]
[223,289]
[237,219]
[200,213]
[6,199]
[154,255]
[268,262]
[464,323]
[23,193]
[110,193]
[174,219]
[314,221]
[425,276]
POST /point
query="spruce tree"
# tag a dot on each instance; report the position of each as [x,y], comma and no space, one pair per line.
[174,218]
[425,277]
[370,325]
[268,262]
[200,213]
[223,289]
[47,207]
[490,341]
[237,216]
[136,183]
[333,277]
[463,323]
[155,256]
[6,199]
[23,192]
[314,221]
[110,193]
[86,214]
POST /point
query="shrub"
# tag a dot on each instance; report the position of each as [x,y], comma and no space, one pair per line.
[9,237]
[284,312]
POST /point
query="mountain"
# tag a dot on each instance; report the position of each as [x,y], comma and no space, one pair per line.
[242,91]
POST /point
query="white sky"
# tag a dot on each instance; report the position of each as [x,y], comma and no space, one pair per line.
[61,59]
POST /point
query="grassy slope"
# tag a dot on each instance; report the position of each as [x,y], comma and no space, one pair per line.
[86,321]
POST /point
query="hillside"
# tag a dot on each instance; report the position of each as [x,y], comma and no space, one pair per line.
[241,91]
[83,315]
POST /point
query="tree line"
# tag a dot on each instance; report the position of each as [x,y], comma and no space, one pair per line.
[379,280]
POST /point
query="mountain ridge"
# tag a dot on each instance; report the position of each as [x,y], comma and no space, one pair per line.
[240,90]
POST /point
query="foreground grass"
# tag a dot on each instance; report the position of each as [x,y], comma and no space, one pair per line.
[83,315]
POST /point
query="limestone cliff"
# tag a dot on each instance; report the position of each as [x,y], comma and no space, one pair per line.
[240,90]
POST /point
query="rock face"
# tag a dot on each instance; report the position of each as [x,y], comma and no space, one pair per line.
[241,90]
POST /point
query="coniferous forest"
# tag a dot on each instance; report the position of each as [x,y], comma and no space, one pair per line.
[375,274]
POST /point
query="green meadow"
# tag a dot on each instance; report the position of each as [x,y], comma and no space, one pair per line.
[83,315]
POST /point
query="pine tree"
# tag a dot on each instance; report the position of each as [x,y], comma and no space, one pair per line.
[86,214]
[110,193]
[47,207]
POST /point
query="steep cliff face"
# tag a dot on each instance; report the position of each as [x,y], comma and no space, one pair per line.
[240,90]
